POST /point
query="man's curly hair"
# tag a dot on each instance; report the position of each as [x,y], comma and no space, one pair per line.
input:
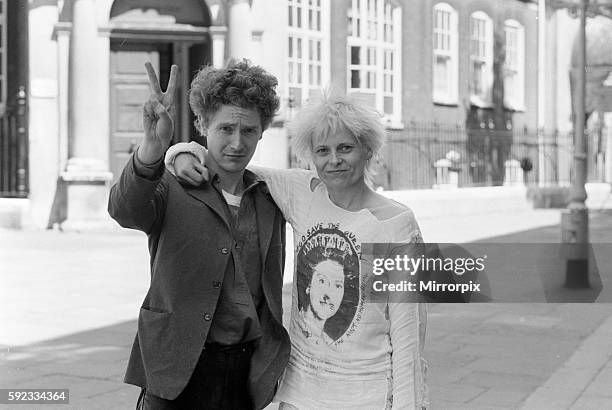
[239,83]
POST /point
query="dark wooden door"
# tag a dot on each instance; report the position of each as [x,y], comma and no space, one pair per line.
[129,89]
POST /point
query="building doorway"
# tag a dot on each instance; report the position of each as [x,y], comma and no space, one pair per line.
[129,90]
[164,34]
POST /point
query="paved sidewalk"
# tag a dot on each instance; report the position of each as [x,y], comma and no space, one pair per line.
[509,356]
[495,356]
[582,382]
[68,304]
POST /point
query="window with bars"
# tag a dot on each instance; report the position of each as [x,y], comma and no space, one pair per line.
[481,59]
[445,59]
[3,51]
[373,53]
[306,44]
[514,65]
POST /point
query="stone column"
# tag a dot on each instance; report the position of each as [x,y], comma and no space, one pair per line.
[240,32]
[63,47]
[86,174]
[217,35]
[608,138]
[85,144]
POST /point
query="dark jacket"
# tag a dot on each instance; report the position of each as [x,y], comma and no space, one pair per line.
[190,244]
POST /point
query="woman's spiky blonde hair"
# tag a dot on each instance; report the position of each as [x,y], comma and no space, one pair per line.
[331,113]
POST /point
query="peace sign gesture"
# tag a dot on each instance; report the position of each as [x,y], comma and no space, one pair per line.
[156,117]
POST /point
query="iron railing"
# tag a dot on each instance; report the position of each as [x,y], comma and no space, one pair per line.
[414,156]
[477,157]
[14,149]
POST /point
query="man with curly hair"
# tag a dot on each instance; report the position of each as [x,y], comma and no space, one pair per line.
[210,331]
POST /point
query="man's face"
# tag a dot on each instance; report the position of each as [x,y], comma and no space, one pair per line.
[326,289]
[232,134]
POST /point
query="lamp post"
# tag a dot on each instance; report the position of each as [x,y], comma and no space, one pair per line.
[575,219]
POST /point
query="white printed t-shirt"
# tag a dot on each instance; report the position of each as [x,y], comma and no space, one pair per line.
[345,354]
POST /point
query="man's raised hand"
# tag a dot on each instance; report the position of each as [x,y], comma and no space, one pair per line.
[157,118]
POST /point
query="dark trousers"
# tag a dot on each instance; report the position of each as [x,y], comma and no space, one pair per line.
[219,382]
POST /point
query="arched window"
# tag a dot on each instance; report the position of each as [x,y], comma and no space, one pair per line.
[374,41]
[481,59]
[514,65]
[445,45]
[306,47]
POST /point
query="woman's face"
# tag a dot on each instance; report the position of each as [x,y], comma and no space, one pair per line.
[340,160]
[326,289]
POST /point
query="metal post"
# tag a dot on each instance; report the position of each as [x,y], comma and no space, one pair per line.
[541,95]
[22,138]
[488,167]
[575,219]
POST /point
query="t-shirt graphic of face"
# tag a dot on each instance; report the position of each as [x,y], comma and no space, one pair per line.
[327,283]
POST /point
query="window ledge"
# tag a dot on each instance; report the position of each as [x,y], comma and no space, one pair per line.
[479,102]
[393,124]
[446,103]
[514,107]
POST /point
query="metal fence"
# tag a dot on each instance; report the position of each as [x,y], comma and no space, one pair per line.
[14,149]
[426,155]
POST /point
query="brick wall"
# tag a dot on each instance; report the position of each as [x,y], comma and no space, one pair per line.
[416,58]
